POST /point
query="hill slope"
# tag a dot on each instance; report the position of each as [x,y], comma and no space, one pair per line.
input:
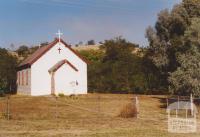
[93,115]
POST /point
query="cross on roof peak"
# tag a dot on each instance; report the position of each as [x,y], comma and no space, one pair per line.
[59,35]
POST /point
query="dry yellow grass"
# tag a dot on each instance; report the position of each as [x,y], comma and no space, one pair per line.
[86,47]
[92,115]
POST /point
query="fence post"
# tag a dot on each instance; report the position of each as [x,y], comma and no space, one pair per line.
[8,107]
[167,102]
[99,109]
[2,111]
[137,106]
[56,111]
[178,102]
[192,107]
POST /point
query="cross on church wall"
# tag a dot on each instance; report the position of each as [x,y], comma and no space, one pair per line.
[59,50]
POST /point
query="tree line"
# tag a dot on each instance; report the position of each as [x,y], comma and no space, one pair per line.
[175,47]
[168,65]
[120,66]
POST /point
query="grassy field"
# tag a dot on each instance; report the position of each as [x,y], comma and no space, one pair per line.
[92,115]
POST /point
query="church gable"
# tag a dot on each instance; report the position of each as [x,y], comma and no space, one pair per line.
[43,50]
[59,64]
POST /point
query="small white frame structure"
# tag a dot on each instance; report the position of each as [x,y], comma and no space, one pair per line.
[182,124]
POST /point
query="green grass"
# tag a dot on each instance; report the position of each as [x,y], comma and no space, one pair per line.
[92,115]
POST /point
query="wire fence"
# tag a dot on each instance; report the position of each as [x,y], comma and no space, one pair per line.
[18,107]
[53,107]
[83,111]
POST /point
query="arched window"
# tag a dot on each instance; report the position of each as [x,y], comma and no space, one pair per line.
[22,78]
[26,77]
[19,78]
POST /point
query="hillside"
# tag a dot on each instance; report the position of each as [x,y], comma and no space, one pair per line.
[92,115]
[86,47]
[32,49]
[79,48]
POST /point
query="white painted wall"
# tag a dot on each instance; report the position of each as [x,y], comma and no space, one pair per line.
[65,80]
[41,79]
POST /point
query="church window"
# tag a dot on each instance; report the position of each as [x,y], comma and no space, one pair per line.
[22,77]
[26,77]
[19,78]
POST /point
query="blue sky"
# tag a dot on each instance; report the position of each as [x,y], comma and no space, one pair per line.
[33,21]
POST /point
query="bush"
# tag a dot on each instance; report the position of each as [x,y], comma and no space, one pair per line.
[2,94]
[61,95]
[128,111]
[73,96]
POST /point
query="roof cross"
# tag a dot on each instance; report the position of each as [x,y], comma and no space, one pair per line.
[59,35]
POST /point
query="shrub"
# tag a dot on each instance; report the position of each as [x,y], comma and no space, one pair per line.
[73,96]
[128,111]
[2,94]
[61,95]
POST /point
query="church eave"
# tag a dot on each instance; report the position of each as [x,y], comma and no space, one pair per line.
[23,67]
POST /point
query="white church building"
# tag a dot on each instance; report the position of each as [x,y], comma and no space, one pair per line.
[53,69]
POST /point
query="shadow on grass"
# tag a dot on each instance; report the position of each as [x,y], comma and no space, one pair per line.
[171,99]
[163,101]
